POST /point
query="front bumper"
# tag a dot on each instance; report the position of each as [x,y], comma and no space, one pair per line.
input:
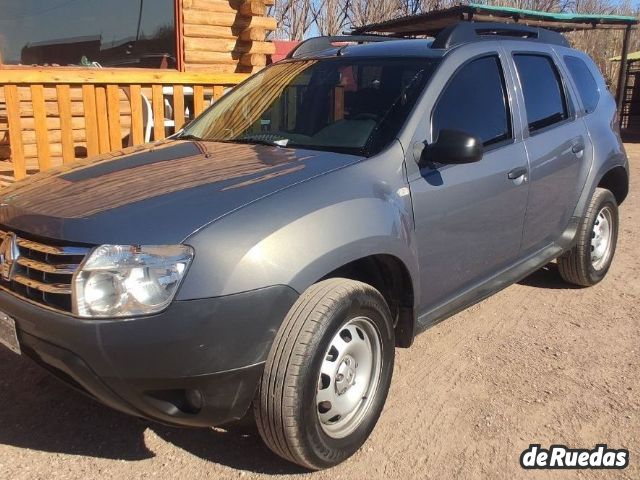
[196,364]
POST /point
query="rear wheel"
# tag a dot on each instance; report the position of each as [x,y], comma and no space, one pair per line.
[589,260]
[327,375]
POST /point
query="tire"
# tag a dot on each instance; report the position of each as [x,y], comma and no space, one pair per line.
[294,388]
[588,262]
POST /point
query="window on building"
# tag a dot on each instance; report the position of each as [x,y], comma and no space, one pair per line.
[475,102]
[542,89]
[113,33]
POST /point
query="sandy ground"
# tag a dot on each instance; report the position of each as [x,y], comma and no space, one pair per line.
[536,363]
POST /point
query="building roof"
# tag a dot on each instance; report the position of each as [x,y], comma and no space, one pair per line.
[283,47]
[431,23]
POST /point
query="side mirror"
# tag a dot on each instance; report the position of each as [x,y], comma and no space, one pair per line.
[452,147]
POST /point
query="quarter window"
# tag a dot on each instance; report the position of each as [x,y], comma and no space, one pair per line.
[583,78]
[544,96]
[475,102]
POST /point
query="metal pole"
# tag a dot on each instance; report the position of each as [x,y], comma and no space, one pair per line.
[622,74]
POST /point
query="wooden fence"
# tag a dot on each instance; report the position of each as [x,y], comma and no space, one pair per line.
[50,116]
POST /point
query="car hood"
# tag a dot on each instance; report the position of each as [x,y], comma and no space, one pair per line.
[157,194]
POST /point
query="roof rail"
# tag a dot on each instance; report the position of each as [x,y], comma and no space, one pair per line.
[321,44]
[467,32]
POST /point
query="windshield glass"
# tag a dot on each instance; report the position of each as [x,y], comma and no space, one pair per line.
[344,105]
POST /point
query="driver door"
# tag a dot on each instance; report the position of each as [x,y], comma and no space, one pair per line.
[469,217]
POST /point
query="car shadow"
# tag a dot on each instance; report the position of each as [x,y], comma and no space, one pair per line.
[547,277]
[39,412]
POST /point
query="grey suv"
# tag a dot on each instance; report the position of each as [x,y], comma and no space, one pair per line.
[272,255]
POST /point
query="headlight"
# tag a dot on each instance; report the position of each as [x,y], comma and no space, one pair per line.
[125,281]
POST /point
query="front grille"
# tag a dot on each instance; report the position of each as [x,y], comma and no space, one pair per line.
[42,272]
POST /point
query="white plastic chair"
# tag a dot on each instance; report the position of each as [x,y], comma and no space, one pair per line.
[147,117]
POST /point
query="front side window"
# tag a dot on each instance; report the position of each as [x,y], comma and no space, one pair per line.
[113,33]
[583,78]
[337,104]
[544,95]
[475,102]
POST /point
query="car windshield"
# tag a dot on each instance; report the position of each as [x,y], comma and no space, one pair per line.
[343,105]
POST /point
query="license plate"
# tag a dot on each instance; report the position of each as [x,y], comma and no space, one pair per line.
[8,335]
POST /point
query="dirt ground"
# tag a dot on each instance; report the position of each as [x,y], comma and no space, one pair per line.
[536,363]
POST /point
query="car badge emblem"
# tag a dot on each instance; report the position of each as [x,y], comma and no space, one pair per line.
[9,254]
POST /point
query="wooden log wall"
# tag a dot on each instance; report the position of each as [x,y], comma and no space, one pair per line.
[226,36]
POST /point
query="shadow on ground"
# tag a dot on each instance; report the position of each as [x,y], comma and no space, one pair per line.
[547,277]
[38,412]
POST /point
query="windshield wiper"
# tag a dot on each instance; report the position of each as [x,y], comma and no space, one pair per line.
[261,141]
[188,136]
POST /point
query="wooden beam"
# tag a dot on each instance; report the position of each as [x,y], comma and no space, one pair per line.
[124,76]
[178,106]
[622,73]
[102,115]
[217,6]
[198,100]
[42,137]
[228,45]
[228,20]
[253,8]
[137,126]
[91,119]
[157,103]
[113,112]
[66,128]
[15,131]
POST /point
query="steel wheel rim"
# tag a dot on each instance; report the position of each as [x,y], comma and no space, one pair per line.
[349,377]
[602,238]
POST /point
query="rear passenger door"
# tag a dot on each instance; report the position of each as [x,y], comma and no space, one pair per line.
[556,142]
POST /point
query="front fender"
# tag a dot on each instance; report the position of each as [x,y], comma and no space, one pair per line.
[322,241]
[298,236]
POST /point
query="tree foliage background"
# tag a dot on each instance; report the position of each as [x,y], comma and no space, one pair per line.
[299,19]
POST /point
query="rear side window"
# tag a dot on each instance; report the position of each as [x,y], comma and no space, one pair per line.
[583,78]
[475,102]
[544,96]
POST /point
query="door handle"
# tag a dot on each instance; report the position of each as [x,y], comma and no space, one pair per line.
[517,173]
[577,148]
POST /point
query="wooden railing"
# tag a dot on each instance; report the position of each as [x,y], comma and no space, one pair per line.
[50,116]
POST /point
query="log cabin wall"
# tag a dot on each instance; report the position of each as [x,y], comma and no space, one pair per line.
[214,37]
[226,36]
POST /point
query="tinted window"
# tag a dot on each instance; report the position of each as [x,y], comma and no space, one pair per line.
[475,102]
[542,88]
[113,33]
[585,82]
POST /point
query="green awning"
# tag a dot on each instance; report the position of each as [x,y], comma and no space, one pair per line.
[430,23]
[558,17]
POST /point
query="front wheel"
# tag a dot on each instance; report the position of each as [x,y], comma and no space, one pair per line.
[327,375]
[589,260]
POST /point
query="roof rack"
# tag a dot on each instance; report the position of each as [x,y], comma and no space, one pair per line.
[467,32]
[321,44]
[431,23]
